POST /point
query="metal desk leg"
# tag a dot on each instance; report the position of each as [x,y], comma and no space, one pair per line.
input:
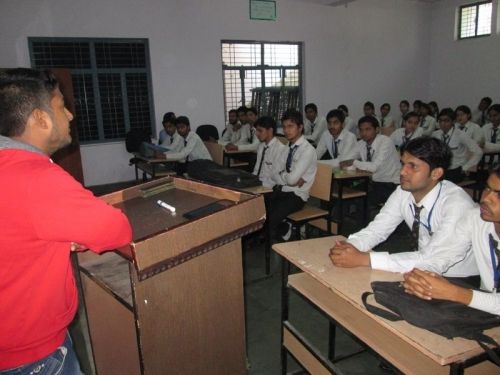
[332,330]
[285,298]
[456,369]
[365,202]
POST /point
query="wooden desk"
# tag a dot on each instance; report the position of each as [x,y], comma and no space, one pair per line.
[336,292]
[257,190]
[228,155]
[151,166]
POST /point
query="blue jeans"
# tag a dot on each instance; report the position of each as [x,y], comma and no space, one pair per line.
[61,362]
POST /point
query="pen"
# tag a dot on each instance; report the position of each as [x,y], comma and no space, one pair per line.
[166,205]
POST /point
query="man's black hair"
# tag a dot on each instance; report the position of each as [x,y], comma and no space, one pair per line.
[430,150]
[312,106]
[409,115]
[448,112]
[344,108]
[292,115]
[242,109]
[487,99]
[494,107]
[169,117]
[253,110]
[337,113]
[386,105]
[266,122]
[404,101]
[370,105]
[369,119]
[182,120]
[463,108]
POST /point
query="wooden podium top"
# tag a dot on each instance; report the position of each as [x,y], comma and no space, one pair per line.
[311,256]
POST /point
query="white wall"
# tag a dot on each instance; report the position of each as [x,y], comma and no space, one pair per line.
[370,50]
[462,71]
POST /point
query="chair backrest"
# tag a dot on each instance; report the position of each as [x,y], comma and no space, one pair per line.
[208,132]
[216,151]
[322,185]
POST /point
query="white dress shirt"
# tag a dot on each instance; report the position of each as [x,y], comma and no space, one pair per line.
[350,125]
[314,130]
[473,131]
[386,122]
[174,143]
[241,136]
[303,166]
[479,117]
[251,146]
[194,149]
[346,147]
[447,202]
[428,125]
[401,121]
[398,135]
[273,160]
[466,152]
[385,162]
[488,132]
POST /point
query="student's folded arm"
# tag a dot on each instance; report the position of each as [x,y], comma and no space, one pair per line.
[63,211]
[475,153]
[491,147]
[489,302]
[298,170]
[379,158]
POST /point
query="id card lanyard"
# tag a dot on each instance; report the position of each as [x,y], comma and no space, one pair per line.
[429,216]
[494,264]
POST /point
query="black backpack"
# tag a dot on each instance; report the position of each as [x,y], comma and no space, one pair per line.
[134,139]
[211,172]
[445,318]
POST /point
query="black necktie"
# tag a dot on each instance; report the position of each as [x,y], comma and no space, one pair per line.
[335,148]
[383,120]
[289,158]
[405,140]
[416,224]
[368,152]
[494,246]
[262,160]
[171,140]
[312,126]
[483,118]
[494,135]
[446,138]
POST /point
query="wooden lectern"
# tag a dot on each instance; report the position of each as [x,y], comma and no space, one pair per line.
[172,301]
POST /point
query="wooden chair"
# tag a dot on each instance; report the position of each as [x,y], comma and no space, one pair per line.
[321,189]
[216,151]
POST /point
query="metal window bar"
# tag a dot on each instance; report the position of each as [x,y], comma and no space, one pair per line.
[475,20]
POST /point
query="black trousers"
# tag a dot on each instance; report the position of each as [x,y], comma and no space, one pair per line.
[380,192]
[279,205]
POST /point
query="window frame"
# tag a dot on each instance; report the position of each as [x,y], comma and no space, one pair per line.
[94,71]
[476,5]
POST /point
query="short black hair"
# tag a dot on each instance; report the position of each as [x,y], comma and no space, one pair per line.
[448,112]
[426,106]
[494,107]
[233,111]
[312,106]
[409,115]
[337,113]
[404,101]
[182,120]
[23,90]
[430,150]
[344,108]
[463,108]
[369,119]
[417,102]
[369,104]
[266,122]
[253,110]
[169,117]
[293,115]
[487,99]
[242,109]
[386,105]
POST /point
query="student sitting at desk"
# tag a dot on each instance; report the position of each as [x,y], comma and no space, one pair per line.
[491,131]
[464,123]
[480,227]
[466,153]
[293,176]
[235,133]
[404,108]
[386,120]
[349,123]
[314,125]
[169,137]
[430,207]
[378,155]
[251,142]
[338,141]
[270,151]
[410,130]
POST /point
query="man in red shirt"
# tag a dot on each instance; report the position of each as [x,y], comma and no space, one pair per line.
[44,214]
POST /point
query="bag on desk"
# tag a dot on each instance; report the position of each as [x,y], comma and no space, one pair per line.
[446,318]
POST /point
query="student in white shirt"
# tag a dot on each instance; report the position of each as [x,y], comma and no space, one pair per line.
[314,125]
[242,115]
[427,122]
[471,129]
[401,136]
[337,141]
[250,141]
[417,105]
[434,112]
[293,176]
[491,131]
[369,110]
[169,137]
[386,121]
[349,123]
[466,152]
[480,114]
[480,227]
[404,108]
[429,206]
[376,154]
[270,151]
[235,133]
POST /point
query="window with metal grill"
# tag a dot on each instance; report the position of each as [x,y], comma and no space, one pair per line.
[475,20]
[111,83]
[263,75]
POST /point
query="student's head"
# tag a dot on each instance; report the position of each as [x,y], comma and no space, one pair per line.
[385,109]
[410,122]
[484,103]
[424,161]
[251,115]
[335,119]
[462,114]
[265,128]
[242,114]
[446,119]
[416,106]
[369,109]
[311,111]
[292,124]
[344,109]
[434,108]
[490,199]
[494,114]
[32,109]
[368,128]
[232,116]
[183,126]
[168,123]
[404,106]
[425,109]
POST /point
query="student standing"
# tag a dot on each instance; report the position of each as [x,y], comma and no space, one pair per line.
[401,136]
[430,207]
[314,125]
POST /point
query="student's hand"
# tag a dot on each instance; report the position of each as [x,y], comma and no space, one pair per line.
[299,183]
[429,285]
[343,254]
[346,163]
[77,247]
[231,147]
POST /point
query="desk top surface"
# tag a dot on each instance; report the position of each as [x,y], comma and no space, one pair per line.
[311,256]
[345,174]
[150,160]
